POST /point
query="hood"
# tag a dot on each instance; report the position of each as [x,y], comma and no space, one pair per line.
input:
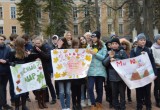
[123,40]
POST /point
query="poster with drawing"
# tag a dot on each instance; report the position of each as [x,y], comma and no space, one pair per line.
[135,72]
[28,77]
[70,63]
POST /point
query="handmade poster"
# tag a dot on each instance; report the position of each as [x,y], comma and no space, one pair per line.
[70,63]
[136,72]
[28,77]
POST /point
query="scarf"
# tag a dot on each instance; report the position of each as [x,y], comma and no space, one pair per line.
[156,46]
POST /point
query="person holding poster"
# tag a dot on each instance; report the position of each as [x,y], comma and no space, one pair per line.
[19,56]
[65,85]
[156,52]
[76,83]
[84,90]
[96,72]
[117,84]
[146,90]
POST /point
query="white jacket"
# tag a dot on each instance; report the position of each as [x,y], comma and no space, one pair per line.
[156,55]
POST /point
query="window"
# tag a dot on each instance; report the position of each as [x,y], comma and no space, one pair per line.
[1,30]
[86,12]
[109,28]
[14,30]
[13,12]
[120,13]
[75,13]
[39,14]
[75,29]
[120,28]
[1,12]
[109,11]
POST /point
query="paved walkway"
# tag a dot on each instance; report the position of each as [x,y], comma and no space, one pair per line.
[34,106]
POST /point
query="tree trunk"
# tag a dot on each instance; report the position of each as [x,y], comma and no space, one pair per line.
[148,19]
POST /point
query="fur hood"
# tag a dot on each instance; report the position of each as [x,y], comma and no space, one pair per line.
[125,41]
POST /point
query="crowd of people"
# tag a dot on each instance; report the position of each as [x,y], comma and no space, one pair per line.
[101,75]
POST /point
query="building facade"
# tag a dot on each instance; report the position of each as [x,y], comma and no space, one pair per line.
[111,21]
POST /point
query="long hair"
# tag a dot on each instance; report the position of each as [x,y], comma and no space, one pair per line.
[65,34]
[20,48]
[99,43]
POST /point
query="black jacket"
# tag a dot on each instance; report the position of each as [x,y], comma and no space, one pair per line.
[45,56]
[4,54]
[119,55]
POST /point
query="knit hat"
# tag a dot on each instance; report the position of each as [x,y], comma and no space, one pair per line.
[115,40]
[156,37]
[141,36]
[96,34]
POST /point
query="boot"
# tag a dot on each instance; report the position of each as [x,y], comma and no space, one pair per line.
[23,97]
[74,107]
[39,98]
[93,107]
[99,106]
[158,103]
[44,97]
[17,100]
[79,107]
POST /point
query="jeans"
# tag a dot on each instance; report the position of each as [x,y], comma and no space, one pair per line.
[62,86]
[83,92]
[118,88]
[98,81]
[3,91]
[146,90]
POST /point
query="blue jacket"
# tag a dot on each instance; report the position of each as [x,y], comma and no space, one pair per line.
[4,54]
[96,66]
[119,55]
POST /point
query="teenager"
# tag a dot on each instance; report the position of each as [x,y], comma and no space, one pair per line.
[117,84]
[144,91]
[96,72]
[156,52]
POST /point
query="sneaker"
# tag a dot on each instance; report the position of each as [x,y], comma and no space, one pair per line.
[28,99]
[89,102]
[53,101]
[83,104]
[7,107]
[67,109]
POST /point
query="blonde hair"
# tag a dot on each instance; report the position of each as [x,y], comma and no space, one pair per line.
[20,48]
[39,38]
[87,33]
[66,32]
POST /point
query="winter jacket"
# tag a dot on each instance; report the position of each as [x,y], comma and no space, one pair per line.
[96,66]
[4,54]
[45,56]
[156,54]
[119,55]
